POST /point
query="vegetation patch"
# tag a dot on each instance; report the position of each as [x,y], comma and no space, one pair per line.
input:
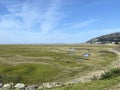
[28,73]
[115,72]
[94,85]
[35,64]
[108,54]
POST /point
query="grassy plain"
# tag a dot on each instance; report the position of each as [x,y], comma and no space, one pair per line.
[108,84]
[35,64]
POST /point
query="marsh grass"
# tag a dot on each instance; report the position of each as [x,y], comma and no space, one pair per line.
[28,73]
[115,72]
[94,85]
[32,64]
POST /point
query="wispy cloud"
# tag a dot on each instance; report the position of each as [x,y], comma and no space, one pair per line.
[52,16]
[78,25]
[83,24]
[45,21]
[41,15]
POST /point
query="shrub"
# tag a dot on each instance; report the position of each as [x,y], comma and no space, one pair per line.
[115,72]
[10,78]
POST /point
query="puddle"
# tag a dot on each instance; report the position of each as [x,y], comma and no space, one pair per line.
[86,55]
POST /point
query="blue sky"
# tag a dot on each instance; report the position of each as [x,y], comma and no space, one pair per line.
[57,21]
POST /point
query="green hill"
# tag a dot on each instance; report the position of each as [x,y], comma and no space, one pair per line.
[109,38]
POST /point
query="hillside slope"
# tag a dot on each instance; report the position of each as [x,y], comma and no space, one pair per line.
[109,38]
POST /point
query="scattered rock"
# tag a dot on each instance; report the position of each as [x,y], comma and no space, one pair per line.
[47,85]
[40,87]
[56,84]
[32,87]
[7,86]
[1,84]
[51,85]
[20,86]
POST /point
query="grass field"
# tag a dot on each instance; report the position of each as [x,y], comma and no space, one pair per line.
[110,80]
[35,64]
[94,85]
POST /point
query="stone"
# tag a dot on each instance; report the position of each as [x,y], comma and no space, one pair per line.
[20,86]
[1,84]
[8,86]
[40,87]
[32,87]
[46,85]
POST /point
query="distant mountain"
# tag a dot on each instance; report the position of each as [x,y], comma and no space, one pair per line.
[109,38]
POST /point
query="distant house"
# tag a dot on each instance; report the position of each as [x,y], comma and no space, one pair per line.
[113,42]
[106,39]
[98,43]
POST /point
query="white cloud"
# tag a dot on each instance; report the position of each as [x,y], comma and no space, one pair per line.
[76,26]
[52,16]
[44,15]
[79,25]
[83,24]
[28,14]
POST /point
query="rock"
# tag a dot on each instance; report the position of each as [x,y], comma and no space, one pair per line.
[47,85]
[8,86]
[51,85]
[1,84]
[20,86]
[56,84]
[32,87]
[40,87]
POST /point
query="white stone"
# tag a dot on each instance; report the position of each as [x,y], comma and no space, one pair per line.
[7,85]
[20,85]
[46,85]
[32,87]
[1,84]
[40,87]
